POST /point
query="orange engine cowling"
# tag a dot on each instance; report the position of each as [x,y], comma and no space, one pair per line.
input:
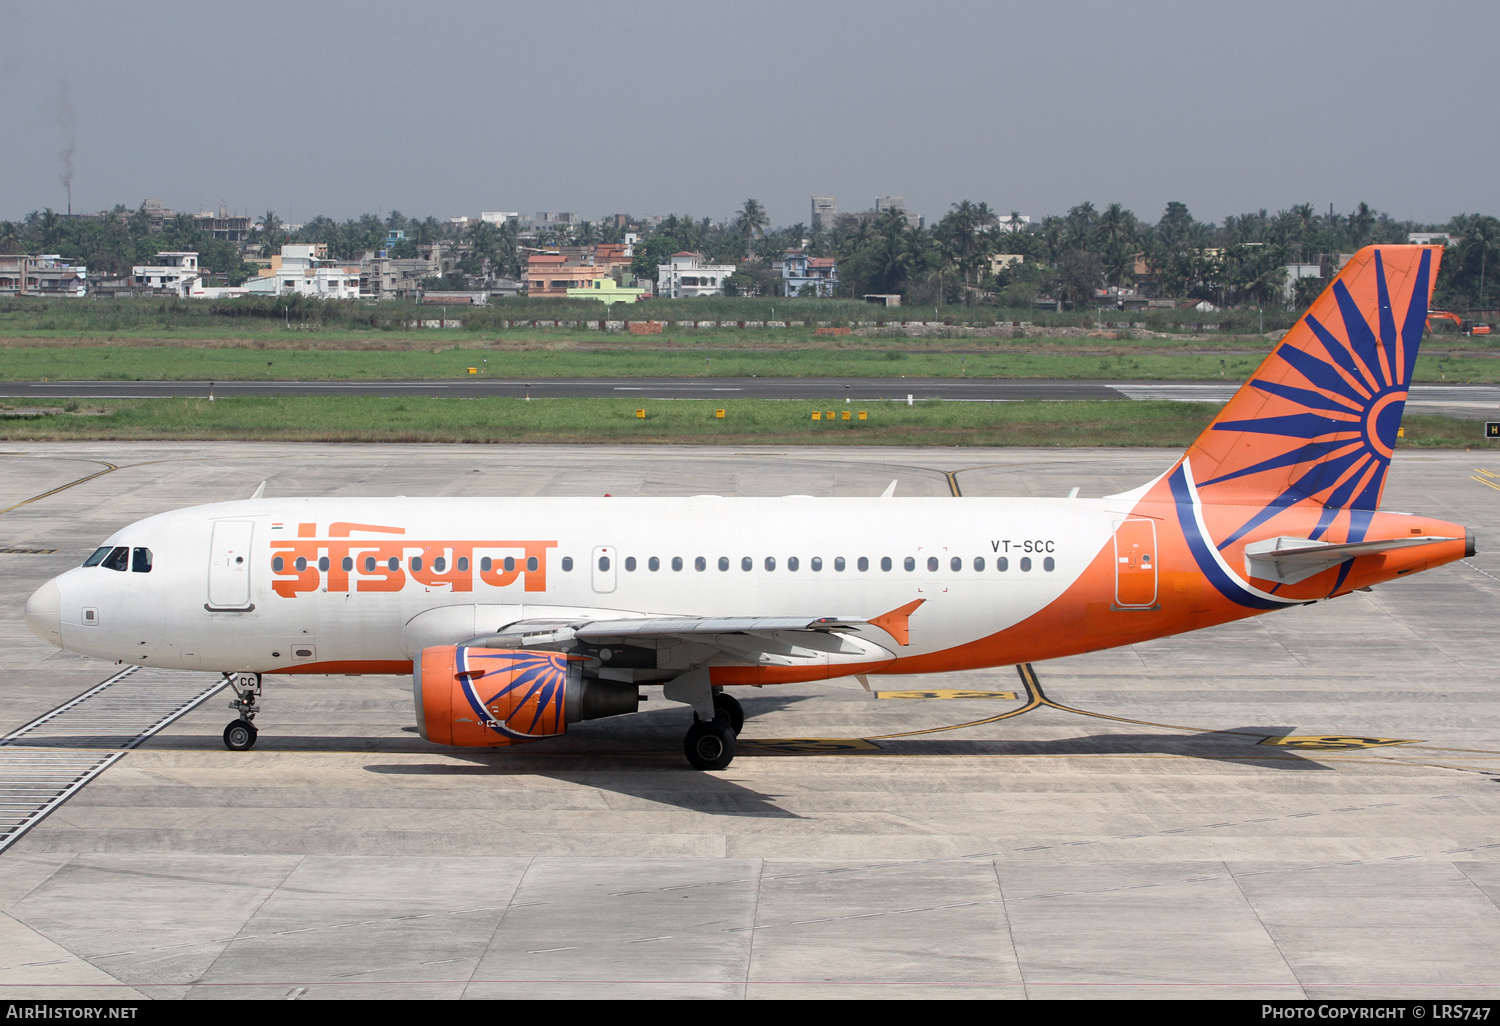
[473,696]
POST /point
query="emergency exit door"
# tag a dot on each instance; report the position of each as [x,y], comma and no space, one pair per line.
[604,569]
[1135,564]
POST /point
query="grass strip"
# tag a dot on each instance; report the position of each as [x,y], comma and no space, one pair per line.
[124,363]
[614,421]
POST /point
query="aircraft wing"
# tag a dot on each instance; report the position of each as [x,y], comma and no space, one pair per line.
[1290,560]
[765,641]
[691,625]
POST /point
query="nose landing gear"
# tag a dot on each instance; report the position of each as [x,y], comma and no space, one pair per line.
[240,735]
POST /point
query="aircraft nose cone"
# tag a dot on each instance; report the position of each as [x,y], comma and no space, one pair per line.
[44,613]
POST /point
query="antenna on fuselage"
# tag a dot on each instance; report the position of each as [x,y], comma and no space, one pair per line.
[260,491]
[890,490]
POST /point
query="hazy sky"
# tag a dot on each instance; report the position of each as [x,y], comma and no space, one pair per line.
[650,106]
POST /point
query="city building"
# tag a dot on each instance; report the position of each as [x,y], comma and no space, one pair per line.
[824,212]
[686,275]
[223,225]
[609,292]
[800,271]
[886,204]
[49,274]
[498,217]
[1431,239]
[300,270]
[384,277]
[1296,272]
[176,270]
[155,213]
[551,275]
[1002,261]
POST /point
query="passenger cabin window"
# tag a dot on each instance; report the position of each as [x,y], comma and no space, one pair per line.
[416,563]
[978,562]
[140,561]
[603,563]
[567,562]
[98,556]
[816,563]
[118,559]
[746,563]
[653,564]
[791,563]
[677,563]
[629,564]
[770,563]
[885,563]
[861,565]
[1025,564]
[1002,564]
[723,562]
[700,563]
[1049,564]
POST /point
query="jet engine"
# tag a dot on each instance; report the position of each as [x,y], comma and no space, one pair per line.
[483,697]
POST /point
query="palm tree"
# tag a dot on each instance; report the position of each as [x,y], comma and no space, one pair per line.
[1484,235]
[751,221]
[1306,221]
[1360,223]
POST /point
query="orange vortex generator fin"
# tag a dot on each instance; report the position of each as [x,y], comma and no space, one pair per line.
[894,622]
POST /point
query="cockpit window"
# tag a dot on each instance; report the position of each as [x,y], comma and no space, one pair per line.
[140,561]
[98,556]
[118,559]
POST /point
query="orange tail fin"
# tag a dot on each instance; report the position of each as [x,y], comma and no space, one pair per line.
[1317,422]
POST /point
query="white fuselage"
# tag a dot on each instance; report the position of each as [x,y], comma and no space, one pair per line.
[225,591]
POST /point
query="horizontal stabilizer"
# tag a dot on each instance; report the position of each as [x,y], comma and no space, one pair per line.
[1289,560]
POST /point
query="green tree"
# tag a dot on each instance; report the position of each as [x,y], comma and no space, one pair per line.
[751,221]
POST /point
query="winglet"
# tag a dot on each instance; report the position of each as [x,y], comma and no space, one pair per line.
[260,491]
[890,490]
[894,622]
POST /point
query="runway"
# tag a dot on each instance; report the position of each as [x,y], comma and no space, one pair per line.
[1469,402]
[1295,806]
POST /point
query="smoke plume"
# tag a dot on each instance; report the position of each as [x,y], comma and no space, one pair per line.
[65,124]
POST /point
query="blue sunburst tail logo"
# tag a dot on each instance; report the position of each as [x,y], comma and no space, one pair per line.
[1317,423]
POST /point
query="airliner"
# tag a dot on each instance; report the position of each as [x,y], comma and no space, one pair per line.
[519,616]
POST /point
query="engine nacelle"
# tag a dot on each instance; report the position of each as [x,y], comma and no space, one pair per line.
[482,697]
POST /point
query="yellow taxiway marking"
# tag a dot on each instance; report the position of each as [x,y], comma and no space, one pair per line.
[1485,482]
[108,468]
[1009,696]
[1035,699]
[1333,743]
[1486,473]
[811,745]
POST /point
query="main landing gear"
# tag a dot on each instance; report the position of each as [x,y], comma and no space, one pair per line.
[709,744]
[240,735]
